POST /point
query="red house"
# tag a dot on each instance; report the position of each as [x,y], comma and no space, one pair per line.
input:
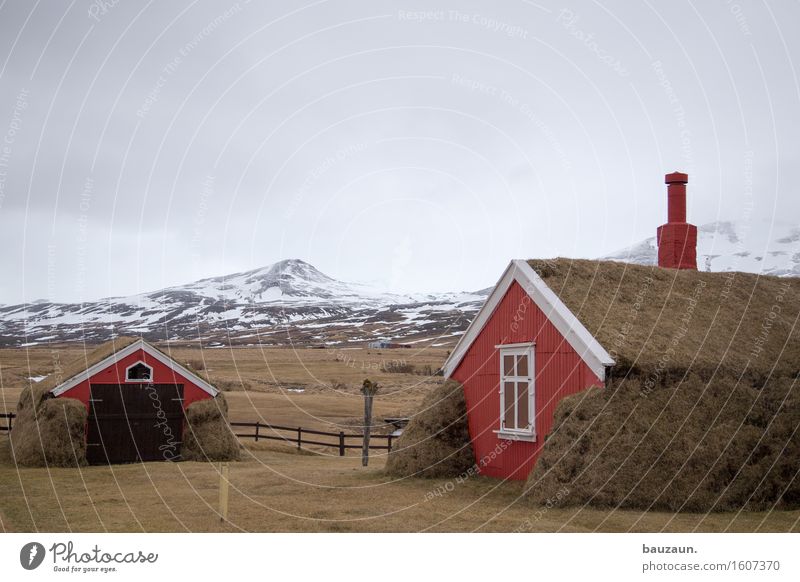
[523,352]
[135,396]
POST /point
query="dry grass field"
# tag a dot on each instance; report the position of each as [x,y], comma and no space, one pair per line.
[276,487]
[264,384]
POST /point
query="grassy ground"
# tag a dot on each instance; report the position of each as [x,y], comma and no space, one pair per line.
[263,384]
[282,490]
[277,488]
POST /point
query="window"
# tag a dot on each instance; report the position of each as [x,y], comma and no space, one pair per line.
[517,391]
[139,372]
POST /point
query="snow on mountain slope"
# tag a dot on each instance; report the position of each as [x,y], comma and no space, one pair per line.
[289,301]
[750,247]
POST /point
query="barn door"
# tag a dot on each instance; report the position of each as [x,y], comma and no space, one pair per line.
[134,422]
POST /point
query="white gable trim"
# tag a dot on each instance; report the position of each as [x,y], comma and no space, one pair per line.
[584,343]
[124,353]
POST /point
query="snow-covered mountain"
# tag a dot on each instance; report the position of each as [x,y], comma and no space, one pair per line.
[768,248]
[291,302]
[287,302]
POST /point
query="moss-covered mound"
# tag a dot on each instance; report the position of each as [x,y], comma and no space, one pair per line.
[207,435]
[694,446]
[48,431]
[436,441]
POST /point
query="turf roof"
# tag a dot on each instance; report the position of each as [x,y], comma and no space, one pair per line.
[90,357]
[665,322]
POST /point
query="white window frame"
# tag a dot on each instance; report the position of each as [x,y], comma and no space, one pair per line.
[128,379]
[522,349]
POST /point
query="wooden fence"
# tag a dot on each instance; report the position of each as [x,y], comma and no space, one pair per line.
[8,417]
[297,436]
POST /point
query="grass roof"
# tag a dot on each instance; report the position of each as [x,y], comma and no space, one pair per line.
[90,357]
[666,322]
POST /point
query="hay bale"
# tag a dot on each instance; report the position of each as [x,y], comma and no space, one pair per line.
[48,431]
[695,446]
[207,435]
[436,442]
[52,431]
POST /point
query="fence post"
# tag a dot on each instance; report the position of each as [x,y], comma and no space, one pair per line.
[299,436]
[257,425]
[341,443]
[389,442]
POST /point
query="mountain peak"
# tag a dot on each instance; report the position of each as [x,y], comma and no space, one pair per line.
[261,303]
[293,268]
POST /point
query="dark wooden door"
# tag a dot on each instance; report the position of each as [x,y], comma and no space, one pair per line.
[134,422]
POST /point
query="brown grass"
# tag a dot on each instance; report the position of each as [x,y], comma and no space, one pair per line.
[285,491]
[663,322]
[208,436]
[196,365]
[276,488]
[717,446]
[436,442]
[263,379]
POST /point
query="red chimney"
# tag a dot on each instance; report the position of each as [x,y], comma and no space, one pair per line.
[677,240]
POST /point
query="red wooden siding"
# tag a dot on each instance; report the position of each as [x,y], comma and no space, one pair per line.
[115,374]
[560,371]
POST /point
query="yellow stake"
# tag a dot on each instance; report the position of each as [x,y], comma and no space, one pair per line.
[223,491]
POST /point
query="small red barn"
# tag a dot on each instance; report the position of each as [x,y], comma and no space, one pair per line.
[135,396]
[523,352]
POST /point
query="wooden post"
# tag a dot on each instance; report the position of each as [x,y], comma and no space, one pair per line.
[224,475]
[389,445]
[257,425]
[299,436]
[369,390]
[341,443]
[367,429]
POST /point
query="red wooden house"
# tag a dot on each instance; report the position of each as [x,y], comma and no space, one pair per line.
[523,352]
[135,396]
[526,350]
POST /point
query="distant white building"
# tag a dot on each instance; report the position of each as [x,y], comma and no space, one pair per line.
[380,344]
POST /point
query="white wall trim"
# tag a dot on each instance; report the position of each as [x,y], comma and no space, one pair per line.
[530,379]
[586,346]
[511,435]
[520,345]
[124,353]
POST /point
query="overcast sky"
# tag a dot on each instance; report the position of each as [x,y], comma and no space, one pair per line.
[151,144]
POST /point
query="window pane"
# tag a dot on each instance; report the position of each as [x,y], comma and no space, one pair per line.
[522,404]
[522,365]
[508,413]
[508,365]
[139,372]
